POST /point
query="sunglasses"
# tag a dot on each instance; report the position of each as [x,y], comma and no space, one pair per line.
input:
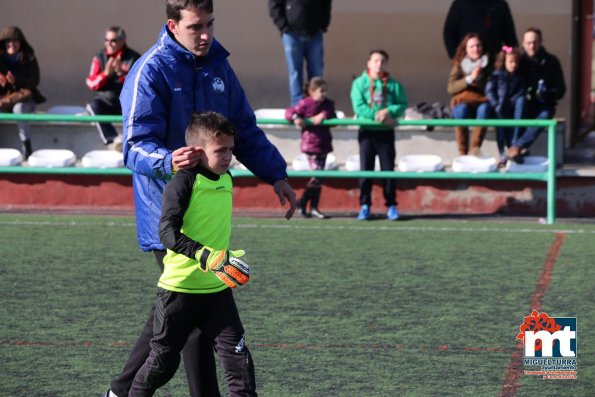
[111,40]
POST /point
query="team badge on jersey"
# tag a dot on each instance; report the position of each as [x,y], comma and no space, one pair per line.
[218,85]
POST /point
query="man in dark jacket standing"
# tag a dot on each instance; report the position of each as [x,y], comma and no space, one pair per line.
[302,24]
[545,87]
[491,19]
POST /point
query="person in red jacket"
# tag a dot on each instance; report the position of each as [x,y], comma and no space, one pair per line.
[109,68]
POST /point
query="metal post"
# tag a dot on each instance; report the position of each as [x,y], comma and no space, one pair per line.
[551,174]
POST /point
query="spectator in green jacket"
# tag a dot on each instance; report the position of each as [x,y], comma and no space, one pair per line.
[376,96]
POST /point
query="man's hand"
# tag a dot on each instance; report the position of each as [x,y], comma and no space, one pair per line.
[184,157]
[232,271]
[109,66]
[284,191]
[117,66]
[3,80]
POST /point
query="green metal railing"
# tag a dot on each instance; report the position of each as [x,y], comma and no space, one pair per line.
[549,177]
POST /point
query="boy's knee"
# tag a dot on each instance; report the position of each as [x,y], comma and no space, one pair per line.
[162,367]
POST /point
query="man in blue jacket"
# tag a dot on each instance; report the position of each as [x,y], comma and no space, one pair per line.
[186,71]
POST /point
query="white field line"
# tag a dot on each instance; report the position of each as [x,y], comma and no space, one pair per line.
[299,226]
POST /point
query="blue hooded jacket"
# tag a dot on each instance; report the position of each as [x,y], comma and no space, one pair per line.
[163,88]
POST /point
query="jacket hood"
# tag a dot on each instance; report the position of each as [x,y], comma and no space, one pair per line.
[13,32]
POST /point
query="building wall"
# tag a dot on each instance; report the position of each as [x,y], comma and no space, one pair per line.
[66,34]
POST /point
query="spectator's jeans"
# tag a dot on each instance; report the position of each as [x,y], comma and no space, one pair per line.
[23,126]
[298,47]
[107,132]
[505,135]
[466,111]
[524,137]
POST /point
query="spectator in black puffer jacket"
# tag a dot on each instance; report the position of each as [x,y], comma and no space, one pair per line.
[491,19]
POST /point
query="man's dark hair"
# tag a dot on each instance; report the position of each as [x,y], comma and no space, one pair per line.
[120,33]
[204,127]
[535,30]
[173,8]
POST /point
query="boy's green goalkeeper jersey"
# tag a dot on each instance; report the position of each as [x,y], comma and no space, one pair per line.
[197,207]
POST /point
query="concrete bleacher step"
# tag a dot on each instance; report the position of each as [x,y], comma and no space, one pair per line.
[583,152]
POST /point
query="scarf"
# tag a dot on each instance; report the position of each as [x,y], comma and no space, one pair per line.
[12,61]
[384,78]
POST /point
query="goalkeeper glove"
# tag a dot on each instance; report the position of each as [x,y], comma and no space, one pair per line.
[225,264]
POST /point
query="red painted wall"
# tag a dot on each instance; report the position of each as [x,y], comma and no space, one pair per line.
[82,193]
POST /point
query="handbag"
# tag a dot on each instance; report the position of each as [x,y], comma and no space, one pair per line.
[8,101]
[470,97]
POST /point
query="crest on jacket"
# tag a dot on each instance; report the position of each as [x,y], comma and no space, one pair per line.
[218,85]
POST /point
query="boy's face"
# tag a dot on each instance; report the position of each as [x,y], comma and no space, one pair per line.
[217,154]
[377,64]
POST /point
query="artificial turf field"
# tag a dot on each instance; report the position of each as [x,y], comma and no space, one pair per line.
[334,308]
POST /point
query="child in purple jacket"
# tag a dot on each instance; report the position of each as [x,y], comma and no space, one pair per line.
[316,139]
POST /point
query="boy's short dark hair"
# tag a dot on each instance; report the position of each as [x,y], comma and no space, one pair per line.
[204,127]
[173,8]
[378,51]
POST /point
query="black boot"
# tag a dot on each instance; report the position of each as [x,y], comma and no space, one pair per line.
[314,205]
[27,148]
[303,203]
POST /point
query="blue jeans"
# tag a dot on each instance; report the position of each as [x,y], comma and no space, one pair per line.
[524,138]
[298,47]
[466,111]
[27,106]
[505,135]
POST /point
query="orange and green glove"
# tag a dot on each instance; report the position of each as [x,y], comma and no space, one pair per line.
[225,264]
